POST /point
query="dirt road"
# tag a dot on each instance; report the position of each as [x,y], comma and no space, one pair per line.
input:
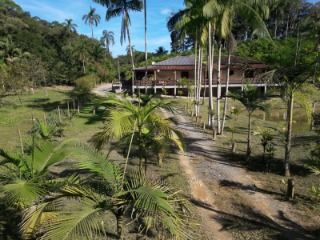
[228,199]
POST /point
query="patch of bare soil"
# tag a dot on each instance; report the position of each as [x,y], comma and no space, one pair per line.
[102,89]
[60,88]
[231,203]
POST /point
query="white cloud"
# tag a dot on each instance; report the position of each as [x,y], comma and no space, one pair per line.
[166,11]
[41,8]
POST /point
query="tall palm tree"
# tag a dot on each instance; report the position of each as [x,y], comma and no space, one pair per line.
[92,18]
[70,26]
[79,209]
[231,45]
[117,8]
[107,39]
[161,50]
[255,11]
[191,21]
[81,51]
[251,100]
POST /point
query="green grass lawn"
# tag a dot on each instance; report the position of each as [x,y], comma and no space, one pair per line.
[16,115]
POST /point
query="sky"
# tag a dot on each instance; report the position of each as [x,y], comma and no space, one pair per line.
[158,12]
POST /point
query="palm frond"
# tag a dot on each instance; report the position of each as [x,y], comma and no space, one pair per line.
[47,153]
[83,221]
[33,217]
[10,158]
[98,164]
[21,193]
[158,205]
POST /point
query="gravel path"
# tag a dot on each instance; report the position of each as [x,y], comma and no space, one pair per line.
[212,178]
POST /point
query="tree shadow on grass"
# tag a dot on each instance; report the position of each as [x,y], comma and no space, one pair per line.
[276,166]
[252,188]
[92,118]
[303,140]
[9,220]
[252,223]
[47,106]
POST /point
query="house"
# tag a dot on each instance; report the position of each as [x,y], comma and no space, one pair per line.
[168,73]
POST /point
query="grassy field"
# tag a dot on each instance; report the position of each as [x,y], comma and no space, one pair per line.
[17,115]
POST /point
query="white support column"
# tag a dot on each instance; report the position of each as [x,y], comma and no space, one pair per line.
[175,86]
[155,82]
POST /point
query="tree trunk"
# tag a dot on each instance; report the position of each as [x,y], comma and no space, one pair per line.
[199,80]
[219,90]
[275,29]
[195,68]
[249,138]
[145,43]
[145,164]
[160,158]
[3,87]
[132,59]
[233,148]
[92,31]
[226,95]
[287,156]
[210,63]
[119,217]
[290,189]
[287,26]
[140,148]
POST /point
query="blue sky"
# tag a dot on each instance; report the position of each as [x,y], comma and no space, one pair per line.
[158,12]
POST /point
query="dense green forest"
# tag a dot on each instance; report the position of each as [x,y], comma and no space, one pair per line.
[59,55]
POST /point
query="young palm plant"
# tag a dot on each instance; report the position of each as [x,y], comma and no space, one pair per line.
[23,178]
[124,117]
[252,101]
[80,209]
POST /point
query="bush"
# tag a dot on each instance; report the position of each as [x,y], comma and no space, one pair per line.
[84,85]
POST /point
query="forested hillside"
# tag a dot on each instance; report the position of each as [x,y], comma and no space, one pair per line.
[58,54]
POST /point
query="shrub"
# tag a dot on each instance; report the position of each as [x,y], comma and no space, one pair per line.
[83,87]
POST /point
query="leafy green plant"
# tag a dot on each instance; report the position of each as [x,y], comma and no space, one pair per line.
[79,208]
[315,192]
[124,117]
[83,87]
[23,178]
[252,101]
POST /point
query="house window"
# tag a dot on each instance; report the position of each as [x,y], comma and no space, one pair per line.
[185,75]
[231,72]
[249,73]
